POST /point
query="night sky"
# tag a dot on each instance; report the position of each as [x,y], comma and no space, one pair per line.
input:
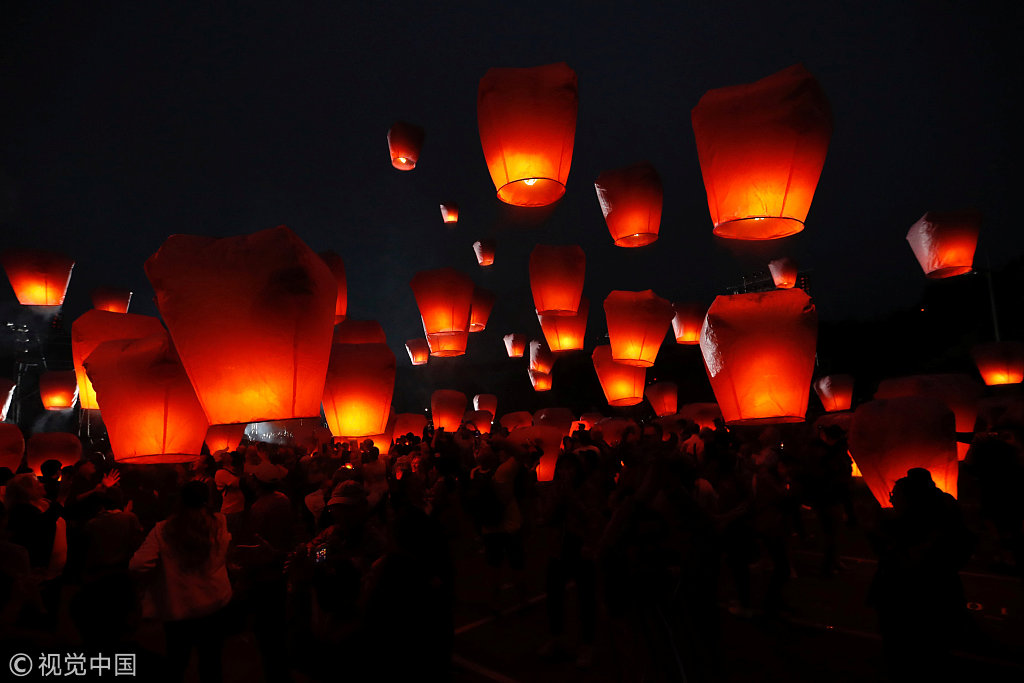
[125,124]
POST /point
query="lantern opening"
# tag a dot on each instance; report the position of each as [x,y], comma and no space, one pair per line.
[759,228]
[531,192]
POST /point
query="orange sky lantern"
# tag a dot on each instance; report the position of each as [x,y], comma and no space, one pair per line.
[515,345]
[447,408]
[419,351]
[527,122]
[999,362]
[835,391]
[405,140]
[7,388]
[112,299]
[448,344]
[12,446]
[631,200]
[94,327]
[481,419]
[488,402]
[337,266]
[783,272]
[890,436]
[958,391]
[686,322]
[944,242]
[410,423]
[566,333]
[58,389]
[480,311]
[759,354]
[359,387]
[516,420]
[547,439]
[541,381]
[224,437]
[450,213]
[39,278]
[636,325]
[704,414]
[351,331]
[664,398]
[484,250]
[444,297]
[761,148]
[43,446]
[148,405]
[541,358]
[556,278]
[623,385]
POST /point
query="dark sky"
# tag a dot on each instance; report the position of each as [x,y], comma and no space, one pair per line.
[126,123]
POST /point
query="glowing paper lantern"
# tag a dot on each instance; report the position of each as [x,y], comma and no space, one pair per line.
[704,414]
[94,327]
[450,213]
[541,381]
[12,446]
[58,389]
[252,318]
[527,121]
[998,362]
[307,433]
[480,419]
[484,250]
[351,331]
[516,420]
[149,407]
[111,299]
[890,436]
[7,388]
[636,326]
[447,408]
[547,439]
[444,297]
[337,267]
[631,200]
[556,278]
[541,358]
[359,387]
[39,278]
[687,321]
[488,402]
[783,272]
[483,302]
[761,148]
[557,417]
[944,242]
[515,345]
[566,333]
[224,437]
[959,392]
[405,141]
[410,423]
[835,391]
[759,354]
[67,448]
[419,351]
[623,385]
[664,397]
[612,429]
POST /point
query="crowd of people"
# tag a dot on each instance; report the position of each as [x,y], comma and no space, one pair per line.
[349,551]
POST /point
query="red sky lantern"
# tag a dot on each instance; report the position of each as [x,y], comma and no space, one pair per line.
[636,325]
[890,436]
[944,242]
[484,250]
[359,387]
[664,397]
[12,446]
[835,391]
[148,405]
[687,321]
[337,267]
[351,331]
[7,388]
[94,327]
[631,200]
[527,121]
[623,385]
[480,311]
[704,414]
[410,423]
[959,392]
[39,278]
[447,408]
[783,272]
[516,420]
[481,419]
[419,351]
[566,333]
[515,345]
[224,437]
[761,148]
[541,358]
[759,354]
[67,448]
[488,402]
[450,213]
[998,362]
[111,299]
[547,439]
[541,381]
[405,140]
[556,278]
[252,318]
[58,389]
[444,297]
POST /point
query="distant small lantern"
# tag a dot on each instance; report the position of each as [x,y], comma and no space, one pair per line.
[224,437]
[516,420]
[111,299]
[687,321]
[998,362]
[515,345]
[556,278]
[566,333]
[444,297]
[664,398]
[527,121]
[12,446]
[337,266]
[448,344]
[958,391]
[38,278]
[450,213]
[835,392]
[7,388]
[703,414]
[58,389]
[61,446]
[357,393]
[405,141]
[410,423]
[631,200]
[541,358]
[761,148]
[447,408]
[480,419]
[637,322]
[483,303]
[944,242]
[488,402]
[94,327]
[623,385]
[541,381]
[783,272]
[759,354]
[419,351]
[351,331]
[484,250]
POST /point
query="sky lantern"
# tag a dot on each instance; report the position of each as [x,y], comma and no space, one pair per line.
[43,446]
[148,405]
[835,391]
[623,385]
[944,242]
[636,325]
[480,419]
[337,267]
[359,387]
[998,362]
[664,397]
[405,140]
[704,414]
[527,122]
[516,420]
[12,446]
[686,322]
[480,311]
[783,272]
[958,391]
[94,327]
[566,333]
[890,436]
[410,423]
[112,299]
[39,278]
[306,433]
[631,200]
[224,437]
[252,318]
[541,358]
[450,213]
[556,278]
[351,331]
[759,354]
[444,297]
[447,408]
[541,381]
[515,345]
[58,389]
[488,402]
[547,439]
[484,250]
[761,148]
[7,388]
[419,351]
